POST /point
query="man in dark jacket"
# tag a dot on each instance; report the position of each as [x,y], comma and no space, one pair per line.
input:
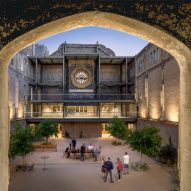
[82,152]
[73,144]
[109,167]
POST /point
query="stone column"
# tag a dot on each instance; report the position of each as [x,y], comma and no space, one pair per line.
[185,129]
[4,128]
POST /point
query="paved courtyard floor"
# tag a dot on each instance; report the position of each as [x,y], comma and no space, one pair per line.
[72,175]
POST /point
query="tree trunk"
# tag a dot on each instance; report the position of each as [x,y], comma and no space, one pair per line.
[141,158]
[46,141]
[24,161]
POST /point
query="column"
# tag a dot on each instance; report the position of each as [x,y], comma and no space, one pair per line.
[63,73]
[4,128]
[162,93]
[126,80]
[185,129]
[98,77]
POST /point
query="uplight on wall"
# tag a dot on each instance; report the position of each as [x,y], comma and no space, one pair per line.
[172,113]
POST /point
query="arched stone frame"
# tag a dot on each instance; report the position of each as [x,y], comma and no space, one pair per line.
[108,20]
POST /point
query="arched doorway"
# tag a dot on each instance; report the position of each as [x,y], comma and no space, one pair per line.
[180,51]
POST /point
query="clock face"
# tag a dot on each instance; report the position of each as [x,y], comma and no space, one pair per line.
[81,77]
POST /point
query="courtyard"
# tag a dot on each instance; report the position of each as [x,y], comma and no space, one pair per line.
[72,174]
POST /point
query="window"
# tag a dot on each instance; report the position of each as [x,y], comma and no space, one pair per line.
[158,54]
[21,66]
[151,57]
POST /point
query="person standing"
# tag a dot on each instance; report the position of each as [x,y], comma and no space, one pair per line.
[119,168]
[82,152]
[73,144]
[95,153]
[109,167]
[126,163]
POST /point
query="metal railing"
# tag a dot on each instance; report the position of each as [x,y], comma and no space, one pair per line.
[79,114]
[80,96]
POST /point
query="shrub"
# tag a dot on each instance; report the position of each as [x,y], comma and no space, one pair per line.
[21,142]
[168,153]
[140,167]
[46,129]
[116,143]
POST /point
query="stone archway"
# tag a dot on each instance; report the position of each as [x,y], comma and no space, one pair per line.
[180,51]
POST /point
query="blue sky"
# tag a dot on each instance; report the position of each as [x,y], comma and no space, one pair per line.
[123,44]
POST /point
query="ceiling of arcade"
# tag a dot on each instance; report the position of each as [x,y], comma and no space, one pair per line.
[20,16]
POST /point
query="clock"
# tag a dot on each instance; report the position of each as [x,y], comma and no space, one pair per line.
[81,77]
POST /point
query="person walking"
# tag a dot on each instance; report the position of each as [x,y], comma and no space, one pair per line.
[103,170]
[109,167]
[119,168]
[126,163]
[95,154]
[82,152]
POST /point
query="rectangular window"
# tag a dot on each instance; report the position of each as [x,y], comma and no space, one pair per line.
[158,54]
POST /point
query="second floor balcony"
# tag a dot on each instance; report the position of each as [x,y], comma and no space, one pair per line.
[76,97]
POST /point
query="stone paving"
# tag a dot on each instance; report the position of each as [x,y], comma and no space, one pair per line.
[71,174]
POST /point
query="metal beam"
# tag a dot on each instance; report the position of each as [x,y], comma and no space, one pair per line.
[126,85]
[63,72]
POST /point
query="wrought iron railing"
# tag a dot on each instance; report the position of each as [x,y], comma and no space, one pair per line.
[66,114]
[80,96]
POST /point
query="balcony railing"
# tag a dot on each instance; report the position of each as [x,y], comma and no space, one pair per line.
[79,115]
[80,96]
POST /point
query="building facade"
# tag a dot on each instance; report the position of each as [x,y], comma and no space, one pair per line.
[157,91]
[81,87]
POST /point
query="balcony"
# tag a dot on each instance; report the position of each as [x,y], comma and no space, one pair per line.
[77,97]
[79,116]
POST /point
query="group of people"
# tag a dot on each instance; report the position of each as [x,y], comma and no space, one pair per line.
[122,167]
[95,151]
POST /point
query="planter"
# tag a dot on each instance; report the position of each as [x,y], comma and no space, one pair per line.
[41,147]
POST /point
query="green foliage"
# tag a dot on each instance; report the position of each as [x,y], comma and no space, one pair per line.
[176,181]
[140,167]
[147,141]
[168,153]
[21,142]
[46,129]
[116,143]
[117,128]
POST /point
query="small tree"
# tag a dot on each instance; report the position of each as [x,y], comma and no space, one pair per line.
[117,128]
[147,141]
[46,129]
[21,142]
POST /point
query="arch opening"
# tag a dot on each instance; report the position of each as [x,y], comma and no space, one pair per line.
[99,19]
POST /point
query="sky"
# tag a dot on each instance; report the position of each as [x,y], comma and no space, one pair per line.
[123,44]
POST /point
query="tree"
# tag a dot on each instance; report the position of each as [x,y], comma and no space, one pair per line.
[21,142]
[117,128]
[147,141]
[46,129]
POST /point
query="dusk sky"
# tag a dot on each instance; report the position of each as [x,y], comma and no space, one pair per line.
[121,43]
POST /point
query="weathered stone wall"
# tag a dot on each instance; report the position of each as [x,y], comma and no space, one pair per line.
[172,90]
[110,73]
[167,130]
[88,129]
[20,76]
[151,77]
